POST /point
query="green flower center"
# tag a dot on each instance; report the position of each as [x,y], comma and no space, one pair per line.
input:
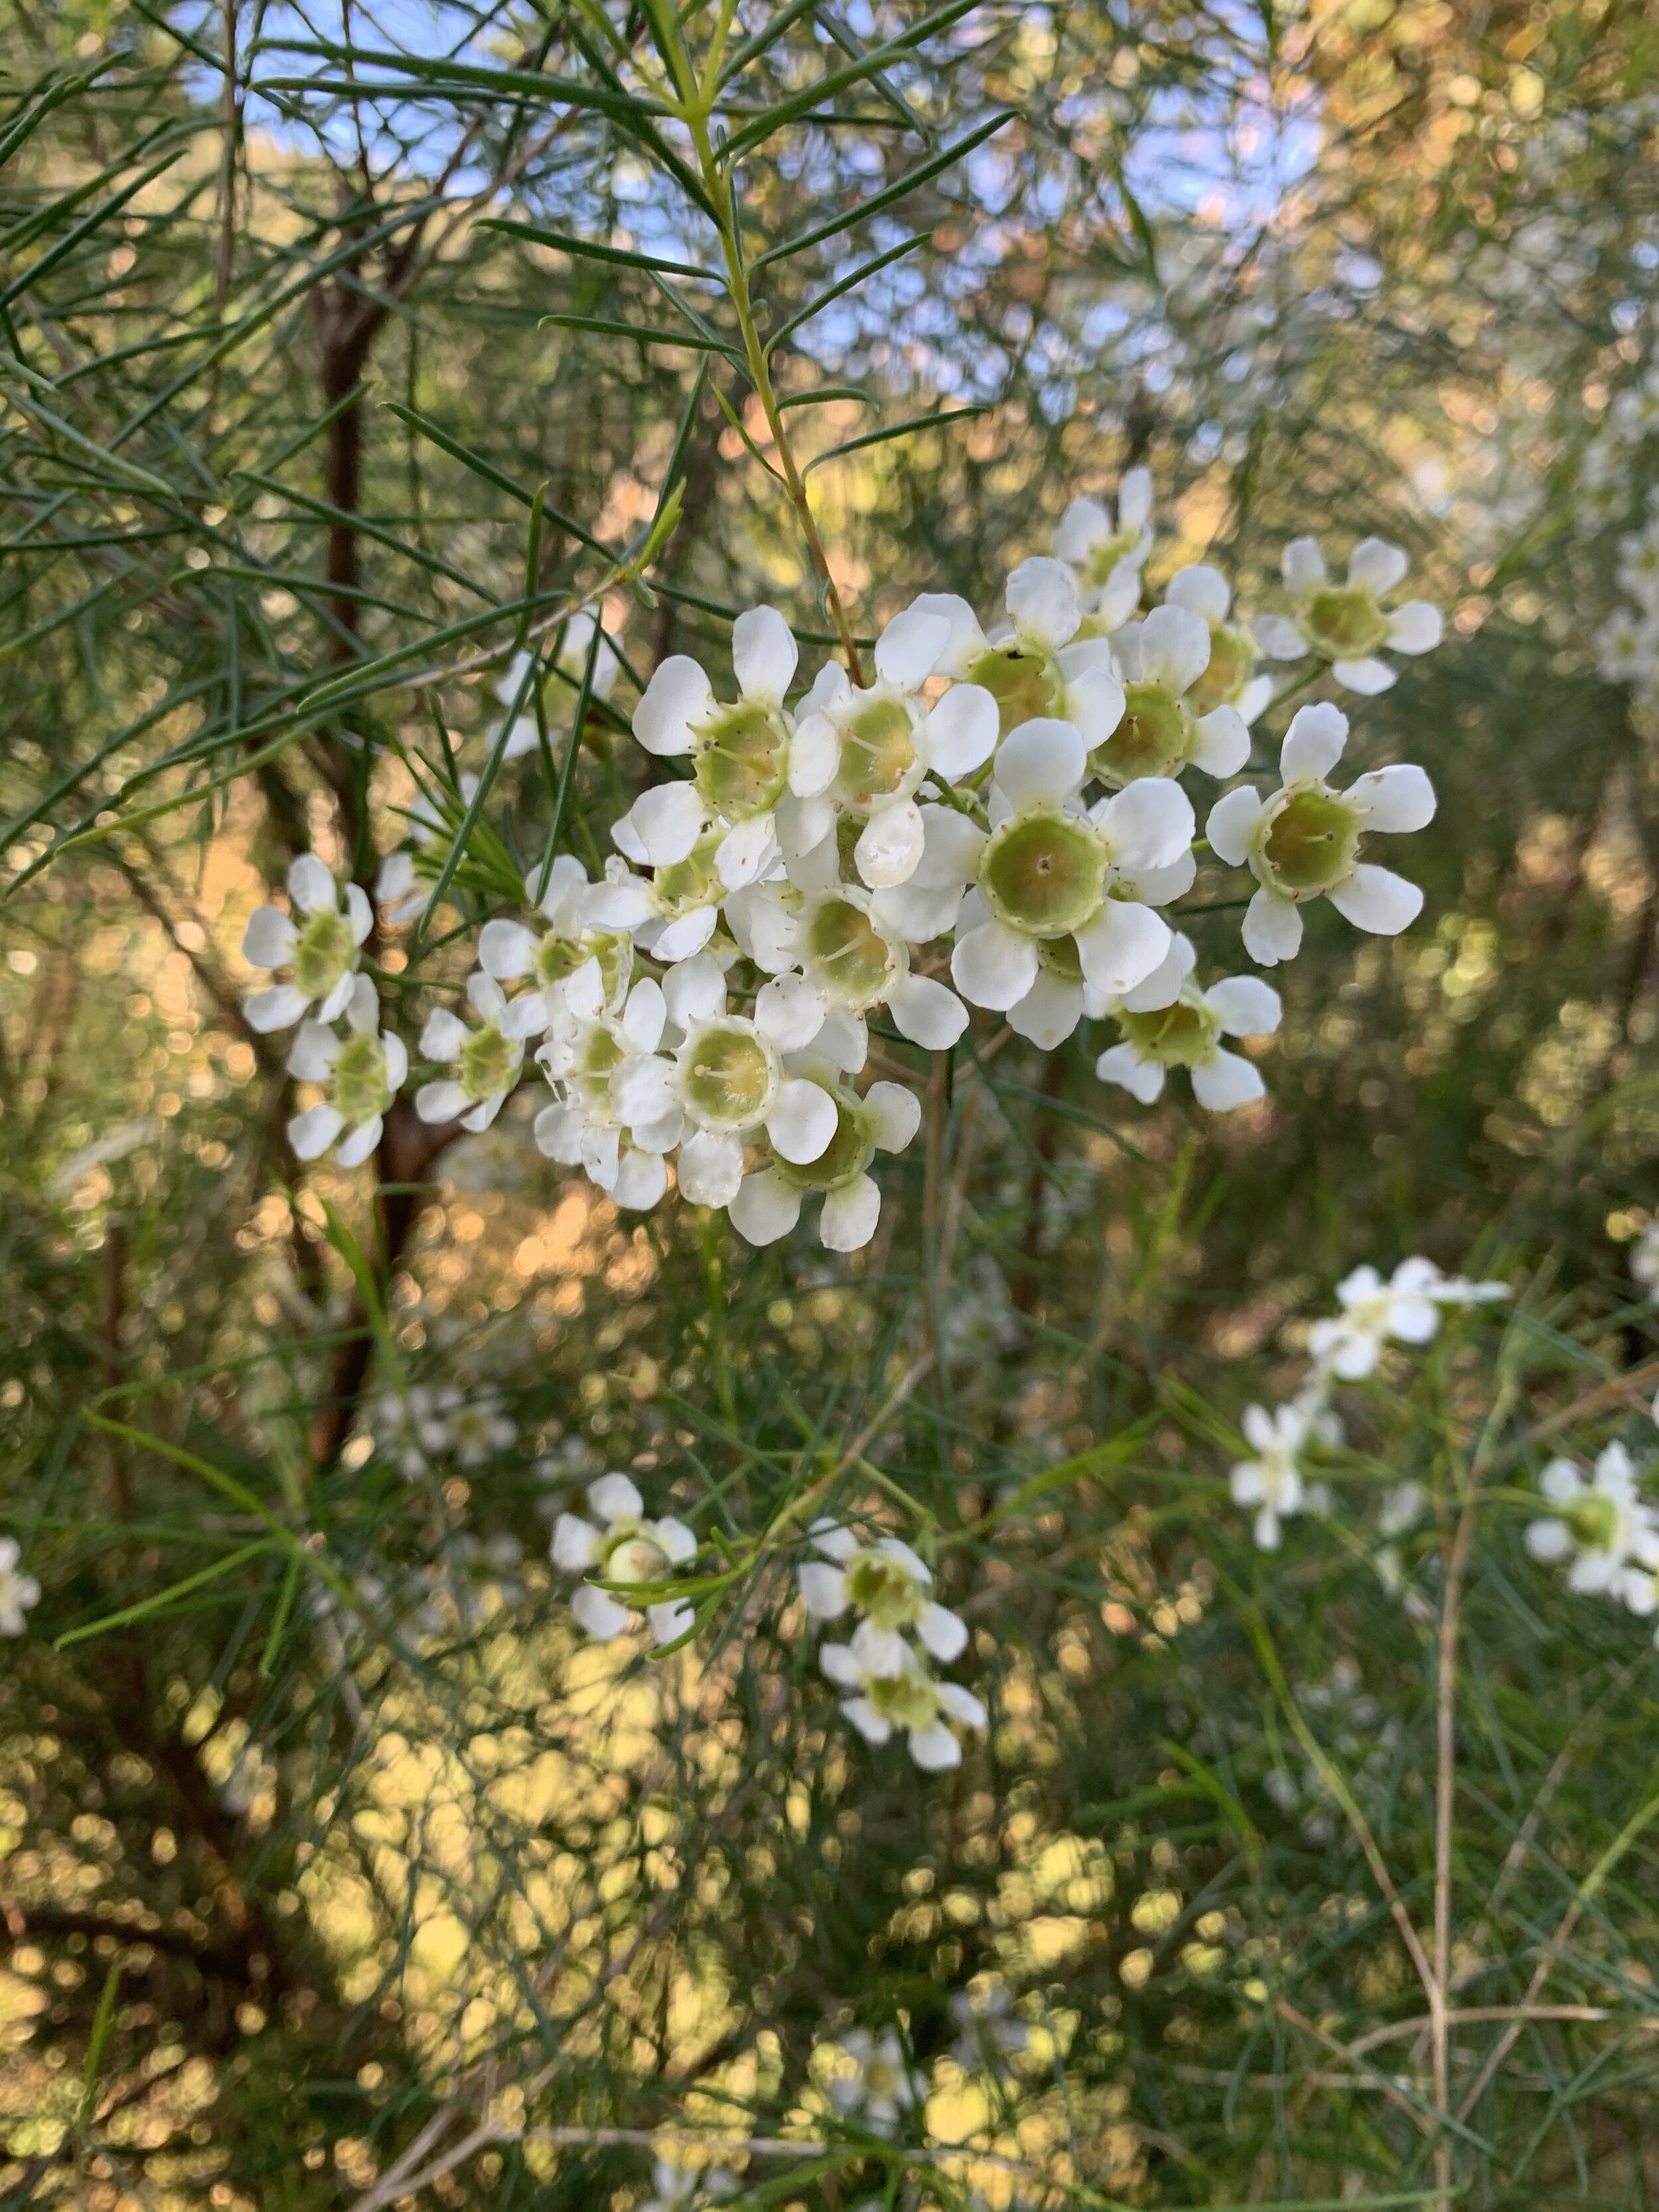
[907,1701]
[740,760]
[1594,1522]
[632,1555]
[488,1063]
[1345,622]
[1098,569]
[1154,737]
[359,1087]
[325,951]
[688,883]
[730,1076]
[882,1588]
[848,955]
[1311,842]
[1231,657]
[1043,873]
[1022,684]
[557,958]
[847,1155]
[1059,955]
[1181,1035]
[878,752]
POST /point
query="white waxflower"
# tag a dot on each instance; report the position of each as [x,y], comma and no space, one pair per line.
[560,699]
[880,2089]
[888,1585]
[18,1591]
[321,948]
[678,2188]
[412,1428]
[1227,680]
[672,913]
[402,886]
[1405,1309]
[1042,903]
[725,1083]
[1161,1032]
[1164,729]
[850,956]
[1603,1523]
[1645,1259]
[479,1427]
[767,1204]
[1403,1507]
[862,753]
[1108,552]
[1272,1481]
[742,753]
[363,1071]
[1037,667]
[1638,567]
[1627,646]
[628,1550]
[988,2029]
[906,1697]
[487,1060]
[1346,624]
[1303,842]
[583,1127]
[550,956]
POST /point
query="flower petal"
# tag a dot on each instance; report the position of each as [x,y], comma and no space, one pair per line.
[1202,589]
[745,853]
[269,938]
[1377,900]
[895,1115]
[1415,627]
[440,1102]
[356,1148]
[646,1015]
[1232,824]
[641,1179]
[823,1590]
[1175,647]
[1043,601]
[1223,744]
[1148,825]
[788,1012]
[1376,567]
[678,695]
[927,1012]
[1122,945]
[279,1008]
[1226,1081]
[1367,677]
[960,734]
[890,845]
[1396,798]
[313,1052]
[765,1208]
[599,1612]
[1049,1012]
[694,991]
[1163,987]
[1085,524]
[616,1497]
[558,1132]
[686,936]
[1272,929]
[966,639]
[311,887]
[1245,1005]
[1279,638]
[764,655]
[444,1036]
[942,1633]
[1303,567]
[850,1215]
[933,1748]
[1043,762]
[801,1124]
[642,1088]
[312,1133]
[576,1544]
[1122,1065]
[711,1168]
[671,1620]
[814,755]
[669,819]
[1313,744]
[993,966]
[907,650]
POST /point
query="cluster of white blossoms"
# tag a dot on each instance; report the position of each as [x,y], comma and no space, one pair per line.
[1600,1523]
[18,1591]
[995,819]
[625,1556]
[1346,1346]
[890,1683]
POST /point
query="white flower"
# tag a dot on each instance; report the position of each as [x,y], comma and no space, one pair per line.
[1406,1309]
[584,1129]
[1346,624]
[402,887]
[1303,843]
[677,2188]
[1161,1032]
[1403,1508]
[1638,568]
[889,1586]
[1037,667]
[1227,680]
[863,752]
[1043,881]
[18,1592]
[1165,660]
[364,1070]
[987,2031]
[672,912]
[479,1427]
[488,1060]
[1603,1523]
[571,661]
[1627,646]
[1108,555]
[628,1550]
[727,1080]
[768,1203]
[905,1696]
[851,956]
[321,951]
[509,950]
[1645,1259]
[879,2090]
[742,753]
[1272,1481]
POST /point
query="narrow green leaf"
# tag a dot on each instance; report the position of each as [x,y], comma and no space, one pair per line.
[480,467]
[103,2027]
[899,189]
[162,1599]
[894,430]
[89,224]
[826,86]
[562,242]
[848,283]
[644,334]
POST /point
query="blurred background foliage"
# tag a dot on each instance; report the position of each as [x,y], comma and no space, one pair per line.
[288,1906]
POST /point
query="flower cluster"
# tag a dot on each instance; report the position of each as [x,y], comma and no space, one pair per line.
[623,1552]
[1346,1346]
[1603,1527]
[982,818]
[890,1682]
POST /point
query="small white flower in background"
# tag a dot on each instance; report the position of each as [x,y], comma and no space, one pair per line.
[1645,1259]
[487,1060]
[363,1071]
[1638,567]
[1161,1032]
[625,1549]
[1272,1481]
[406,875]
[1303,843]
[1627,646]
[1165,660]
[1405,1309]
[1108,552]
[888,1585]
[18,1591]
[767,1202]
[679,2188]
[1227,681]
[893,1690]
[987,2030]
[1403,1508]
[321,948]
[251,1776]
[559,700]
[878,2090]
[1036,667]
[394,1422]
[741,754]
[1346,624]
[479,1427]
[1601,1524]
[509,950]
